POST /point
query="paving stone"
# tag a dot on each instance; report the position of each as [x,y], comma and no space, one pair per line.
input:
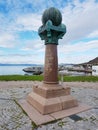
[12,116]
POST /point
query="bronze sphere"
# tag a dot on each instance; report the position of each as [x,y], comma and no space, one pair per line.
[52,14]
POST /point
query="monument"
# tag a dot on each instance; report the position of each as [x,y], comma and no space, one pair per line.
[51,100]
[50,96]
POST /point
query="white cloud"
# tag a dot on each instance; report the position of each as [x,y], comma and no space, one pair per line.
[21,59]
[78,53]
[22,22]
[81,23]
[77,59]
[94,34]
[28,22]
[34,45]
[80,47]
[81,20]
[8,40]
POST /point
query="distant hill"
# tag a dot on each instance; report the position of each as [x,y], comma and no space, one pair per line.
[2,64]
[92,62]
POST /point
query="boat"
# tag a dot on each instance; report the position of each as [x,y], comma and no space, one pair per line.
[34,70]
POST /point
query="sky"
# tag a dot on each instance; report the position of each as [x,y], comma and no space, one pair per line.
[20,20]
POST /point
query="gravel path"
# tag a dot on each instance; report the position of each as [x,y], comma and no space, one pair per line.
[12,117]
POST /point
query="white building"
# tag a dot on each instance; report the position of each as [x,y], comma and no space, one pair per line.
[95,70]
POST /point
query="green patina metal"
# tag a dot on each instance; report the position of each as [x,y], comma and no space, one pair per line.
[52,29]
[52,14]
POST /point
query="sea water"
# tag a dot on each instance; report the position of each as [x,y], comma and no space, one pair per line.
[18,70]
[12,70]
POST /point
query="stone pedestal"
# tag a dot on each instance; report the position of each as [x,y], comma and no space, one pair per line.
[48,98]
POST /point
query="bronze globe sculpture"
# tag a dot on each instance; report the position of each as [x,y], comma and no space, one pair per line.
[52,28]
[52,14]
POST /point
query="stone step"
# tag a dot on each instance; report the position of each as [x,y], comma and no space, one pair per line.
[50,105]
[51,91]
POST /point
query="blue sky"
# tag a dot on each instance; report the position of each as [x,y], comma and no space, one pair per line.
[20,20]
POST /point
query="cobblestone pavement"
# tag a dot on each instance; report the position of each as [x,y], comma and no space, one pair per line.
[12,117]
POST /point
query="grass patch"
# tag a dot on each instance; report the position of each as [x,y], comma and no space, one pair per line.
[21,78]
[81,78]
[40,78]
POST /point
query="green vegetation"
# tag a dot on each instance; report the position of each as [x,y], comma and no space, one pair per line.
[21,78]
[40,78]
[81,78]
